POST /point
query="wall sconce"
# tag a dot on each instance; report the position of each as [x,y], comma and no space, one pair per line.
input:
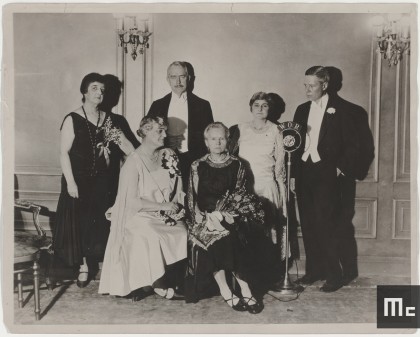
[138,37]
[393,36]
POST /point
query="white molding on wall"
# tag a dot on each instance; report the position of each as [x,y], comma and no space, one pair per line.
[374,108]
[401,124]
[398,211]
[371,210]
[370,265]
[37,170]
[144,63]
[38,195]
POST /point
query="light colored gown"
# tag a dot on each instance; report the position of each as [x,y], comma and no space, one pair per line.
[264,153]
[140,244]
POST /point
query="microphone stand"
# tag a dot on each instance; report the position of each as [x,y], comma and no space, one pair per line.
[288,287]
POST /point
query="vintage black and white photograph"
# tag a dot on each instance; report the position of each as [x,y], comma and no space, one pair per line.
[207,167]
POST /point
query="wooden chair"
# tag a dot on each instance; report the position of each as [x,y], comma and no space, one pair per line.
[27,252]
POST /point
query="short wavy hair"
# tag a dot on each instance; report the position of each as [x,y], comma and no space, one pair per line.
[178,64]
[216,125]
[88,79]
[320,72]
[260,95]
[147,122]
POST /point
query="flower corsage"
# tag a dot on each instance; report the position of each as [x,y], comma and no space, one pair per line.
[111,134]
[331,110]
[170,162]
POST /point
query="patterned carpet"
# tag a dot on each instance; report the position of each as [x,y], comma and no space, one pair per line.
[69,305]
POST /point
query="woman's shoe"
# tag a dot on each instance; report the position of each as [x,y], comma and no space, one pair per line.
[84,283]
[165,293]
[240,306]
[254,308]
[137,295]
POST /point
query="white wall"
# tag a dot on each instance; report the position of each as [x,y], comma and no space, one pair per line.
[52,54]
[236,55]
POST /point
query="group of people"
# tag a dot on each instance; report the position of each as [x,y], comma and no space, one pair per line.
[175,225]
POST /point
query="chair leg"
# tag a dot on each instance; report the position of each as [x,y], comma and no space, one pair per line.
[36,291]
[48,267]
[19,284]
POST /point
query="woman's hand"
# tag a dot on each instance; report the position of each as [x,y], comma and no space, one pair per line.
[72,190]
[229,218]
[172,207]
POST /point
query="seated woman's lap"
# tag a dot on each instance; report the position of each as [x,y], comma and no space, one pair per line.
[155,238]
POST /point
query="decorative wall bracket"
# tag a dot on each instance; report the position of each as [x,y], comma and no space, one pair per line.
[133,37]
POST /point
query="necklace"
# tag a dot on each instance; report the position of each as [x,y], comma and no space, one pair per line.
[221,160]
[92,140]
[152,157]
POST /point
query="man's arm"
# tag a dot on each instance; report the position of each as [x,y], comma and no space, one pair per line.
[348,156]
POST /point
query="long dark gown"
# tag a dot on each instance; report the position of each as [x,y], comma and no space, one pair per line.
[251,262]
[81,229]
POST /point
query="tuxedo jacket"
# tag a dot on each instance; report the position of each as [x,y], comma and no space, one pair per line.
[337,143]
[199,116]
[363,134]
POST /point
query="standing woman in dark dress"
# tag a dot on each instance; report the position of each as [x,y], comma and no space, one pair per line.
[217,248]
[81,229]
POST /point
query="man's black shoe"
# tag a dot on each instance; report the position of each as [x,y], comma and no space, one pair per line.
[330,287]
[307,280]
[348,279]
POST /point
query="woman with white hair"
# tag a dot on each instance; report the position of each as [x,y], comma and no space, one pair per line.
[148,233]
[218,248]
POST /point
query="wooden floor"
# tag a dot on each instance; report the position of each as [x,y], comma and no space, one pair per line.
[67,306]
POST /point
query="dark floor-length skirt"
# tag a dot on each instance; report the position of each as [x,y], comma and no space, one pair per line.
[81,229]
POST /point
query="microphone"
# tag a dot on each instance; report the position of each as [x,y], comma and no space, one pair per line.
[292,141]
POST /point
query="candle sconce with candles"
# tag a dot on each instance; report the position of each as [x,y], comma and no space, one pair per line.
[137,38]
[392,36]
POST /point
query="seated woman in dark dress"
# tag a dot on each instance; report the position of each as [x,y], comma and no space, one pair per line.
[217,248]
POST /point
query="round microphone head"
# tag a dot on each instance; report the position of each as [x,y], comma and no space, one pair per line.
[292,139]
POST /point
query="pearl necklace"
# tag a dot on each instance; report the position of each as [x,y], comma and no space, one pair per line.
[92,140]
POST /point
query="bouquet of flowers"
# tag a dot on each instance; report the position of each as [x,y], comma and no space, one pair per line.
[170,162]
[111,134]
[246,208]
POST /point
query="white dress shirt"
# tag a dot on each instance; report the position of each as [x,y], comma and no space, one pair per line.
[316,114]
[178,122]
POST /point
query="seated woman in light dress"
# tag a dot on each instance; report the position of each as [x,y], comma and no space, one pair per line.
[259,144]
[148,233]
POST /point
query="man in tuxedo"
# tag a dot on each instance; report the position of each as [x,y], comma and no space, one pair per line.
[188,115]
[347,183]
[328,150]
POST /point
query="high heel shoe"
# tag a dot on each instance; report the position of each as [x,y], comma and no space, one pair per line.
[168,293]
[253,308]
[82,284]
[240,306]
